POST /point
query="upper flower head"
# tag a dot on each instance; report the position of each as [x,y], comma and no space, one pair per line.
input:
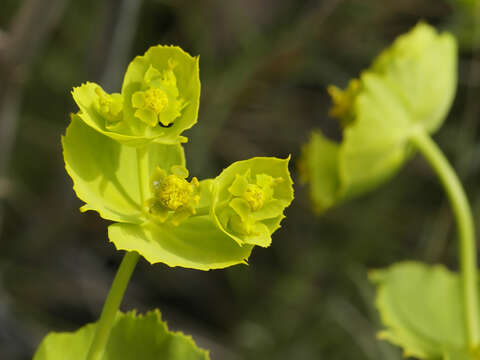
[159,99]
[158,103]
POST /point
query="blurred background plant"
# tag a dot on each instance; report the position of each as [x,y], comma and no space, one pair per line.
[264,67]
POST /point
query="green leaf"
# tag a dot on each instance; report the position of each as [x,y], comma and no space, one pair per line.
[196,243]
[132,337]
[105,173]
[319,166]
[263,188]
[459,355]
[408,89]
[422,309]
[421,69]
[373,148]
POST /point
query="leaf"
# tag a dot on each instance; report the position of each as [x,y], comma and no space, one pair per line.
[408,89]
[459,355]
[422,309]
[243,223]
[196,243]
[421,69]
[132,337]
[373,148]
[319,166]
[105,173]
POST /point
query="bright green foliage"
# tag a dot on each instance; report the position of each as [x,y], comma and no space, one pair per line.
[132,337]
[250,198]
[422,309]
[408,88]
[177,223]
[159,99]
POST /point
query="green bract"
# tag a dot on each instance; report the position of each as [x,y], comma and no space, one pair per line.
[177,222]
[250,197]
[132,337]
[409,88]
[422,309]
[159,99]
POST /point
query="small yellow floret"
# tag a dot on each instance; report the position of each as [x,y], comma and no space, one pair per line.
[107,104]
[343,99]
[156,100]
[175,192]
[254,196]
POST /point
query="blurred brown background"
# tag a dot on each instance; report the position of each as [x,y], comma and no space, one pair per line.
[264,67]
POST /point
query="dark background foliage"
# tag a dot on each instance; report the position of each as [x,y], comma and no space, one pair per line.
[264,68]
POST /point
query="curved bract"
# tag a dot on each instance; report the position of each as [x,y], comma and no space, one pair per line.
[159,99]
[409,88]
[250,197]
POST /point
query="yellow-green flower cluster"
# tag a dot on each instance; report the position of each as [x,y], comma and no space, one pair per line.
[123,151]
[408,89]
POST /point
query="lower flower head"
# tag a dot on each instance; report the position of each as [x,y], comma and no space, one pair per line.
[173,198]
[251,197]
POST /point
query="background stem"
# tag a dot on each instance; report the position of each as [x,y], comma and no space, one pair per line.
[112,303]
[466,231]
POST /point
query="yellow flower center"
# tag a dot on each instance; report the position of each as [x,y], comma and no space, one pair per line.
[343,101]
[174,192]
[156,100]
[254,196]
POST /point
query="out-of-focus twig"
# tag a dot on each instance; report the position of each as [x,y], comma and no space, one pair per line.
[464,143]
[121,45]
[28,34]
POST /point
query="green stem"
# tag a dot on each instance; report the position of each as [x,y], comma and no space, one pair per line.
[111,305]
[466,231]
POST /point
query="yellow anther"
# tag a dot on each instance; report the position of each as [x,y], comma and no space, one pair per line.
[156,100]
[175,192]
[254,196]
